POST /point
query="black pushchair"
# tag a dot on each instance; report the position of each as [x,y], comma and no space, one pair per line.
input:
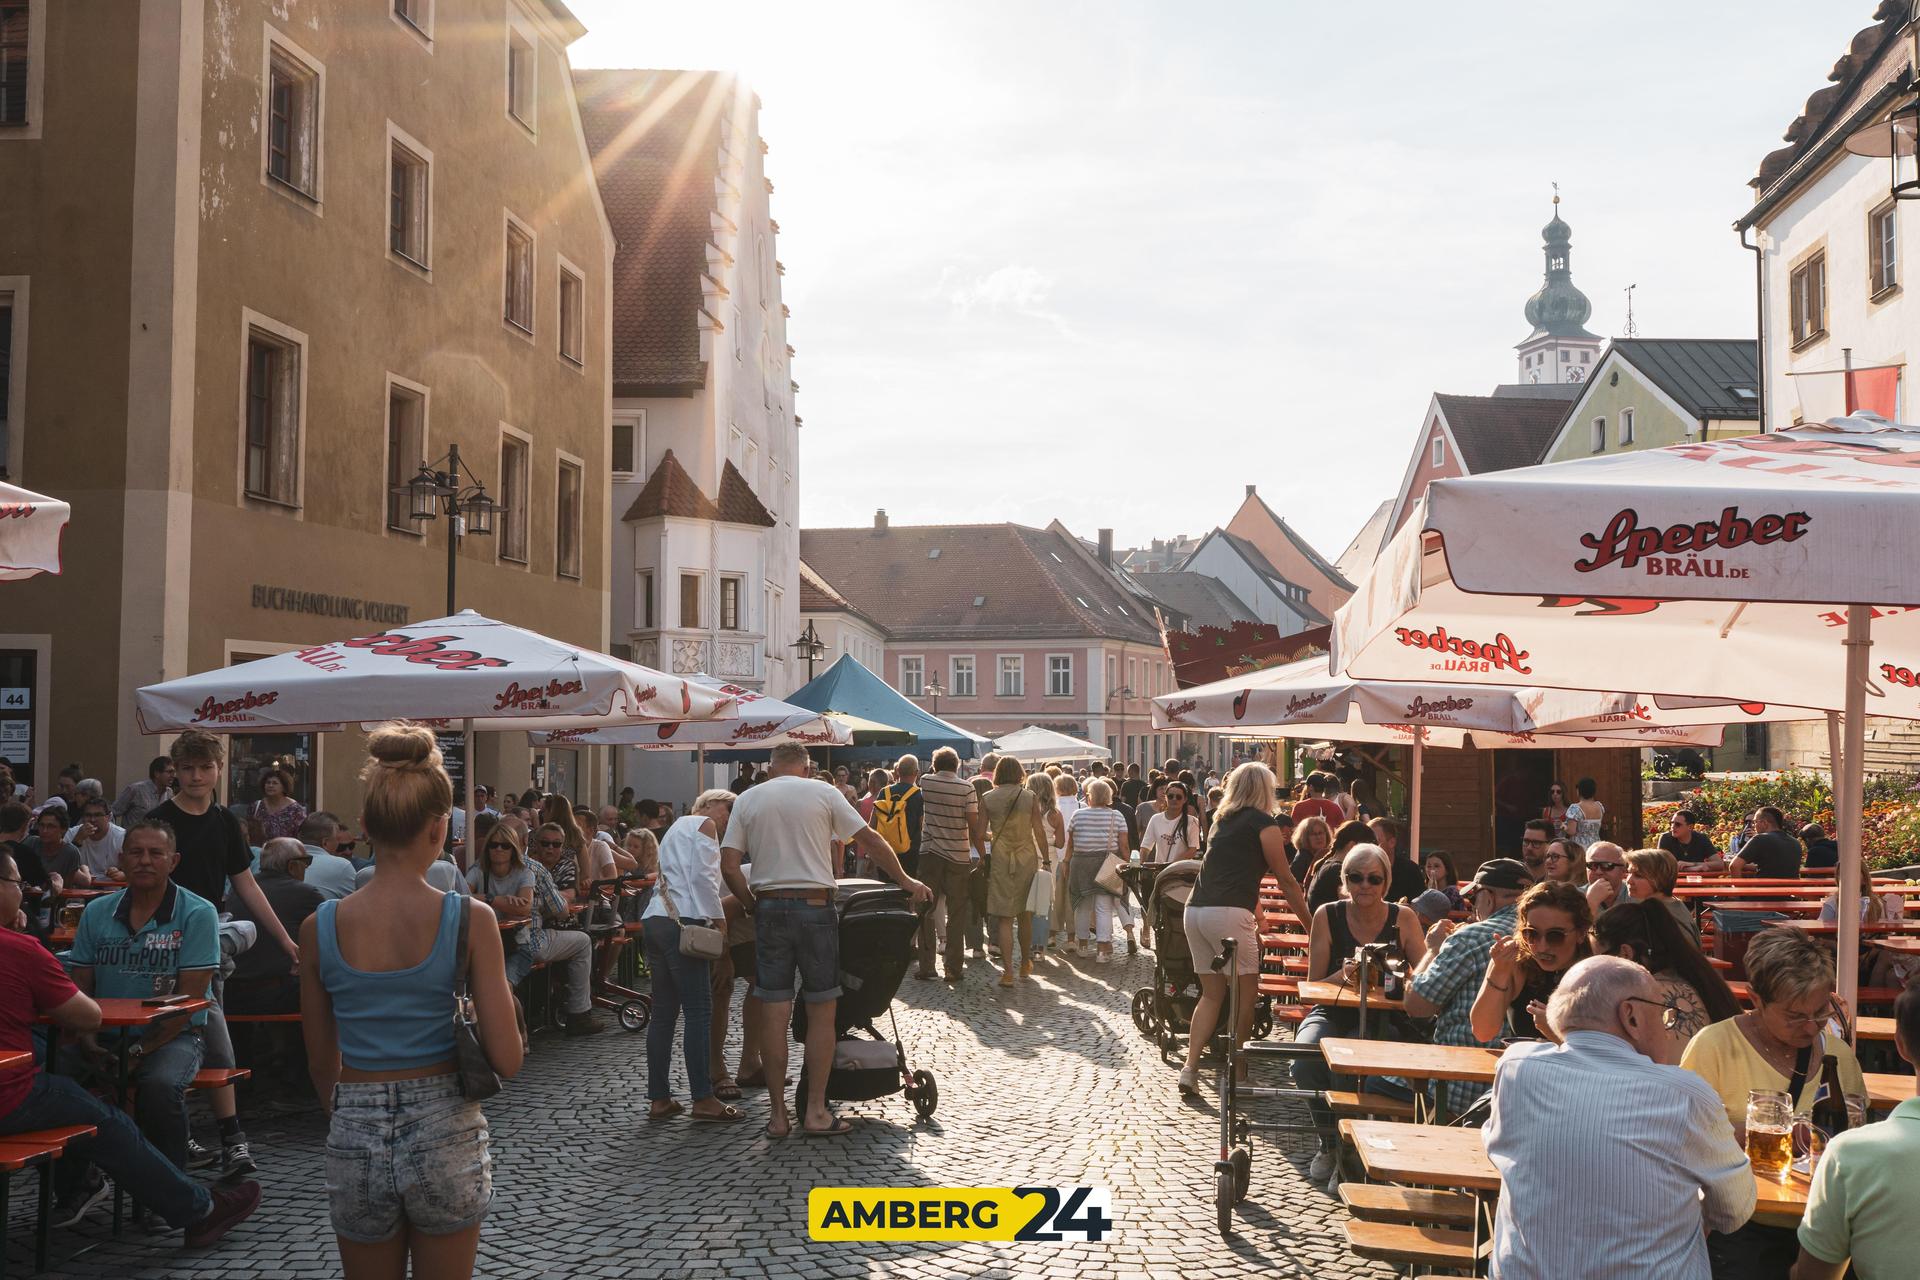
[878,925]
[1164,1011]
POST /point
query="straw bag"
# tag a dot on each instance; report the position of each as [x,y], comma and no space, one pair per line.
[477,1077]
[697,941]
[1108,877]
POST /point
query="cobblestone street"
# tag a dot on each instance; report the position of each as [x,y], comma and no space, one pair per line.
[1051,1086]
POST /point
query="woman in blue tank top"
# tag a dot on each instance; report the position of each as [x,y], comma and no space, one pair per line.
[408,1174]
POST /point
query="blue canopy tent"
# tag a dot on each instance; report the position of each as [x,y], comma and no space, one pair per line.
[848,687]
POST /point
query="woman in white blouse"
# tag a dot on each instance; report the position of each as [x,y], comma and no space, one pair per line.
[688,891]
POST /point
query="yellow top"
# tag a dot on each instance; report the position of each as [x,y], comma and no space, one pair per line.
[1722,1055]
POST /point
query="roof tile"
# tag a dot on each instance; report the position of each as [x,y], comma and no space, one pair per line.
[1498,433]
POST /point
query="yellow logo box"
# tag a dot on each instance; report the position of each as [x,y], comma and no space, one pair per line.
[1041,1215]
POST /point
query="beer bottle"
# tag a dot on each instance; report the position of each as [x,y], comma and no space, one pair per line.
[1830,1112]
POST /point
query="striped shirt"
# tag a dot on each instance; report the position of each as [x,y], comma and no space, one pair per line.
[1594,1123]
[1097,832]
[947,805]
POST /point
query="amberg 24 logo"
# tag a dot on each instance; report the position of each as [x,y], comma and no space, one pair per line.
[1041,1215]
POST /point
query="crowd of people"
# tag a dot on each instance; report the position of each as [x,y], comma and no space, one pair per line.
[1576,952]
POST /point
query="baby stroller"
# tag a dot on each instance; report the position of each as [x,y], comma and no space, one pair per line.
[878,924]
[1163,1012]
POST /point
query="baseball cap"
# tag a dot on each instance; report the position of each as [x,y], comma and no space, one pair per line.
[1432,905]
[1501,873]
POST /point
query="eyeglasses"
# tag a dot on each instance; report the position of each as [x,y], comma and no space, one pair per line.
[302,860]
[1605,866]
[1828,1010]
[1669,1016]
[1374,878]
[1557,855]
[1535,840]
[1552,937]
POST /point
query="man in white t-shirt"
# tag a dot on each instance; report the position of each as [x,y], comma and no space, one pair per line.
[786,827]
[98,839]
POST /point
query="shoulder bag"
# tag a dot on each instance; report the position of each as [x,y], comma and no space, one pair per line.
[697,941]
[1108,876]
[478,1079]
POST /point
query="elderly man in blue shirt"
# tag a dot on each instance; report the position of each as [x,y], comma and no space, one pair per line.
[1594,1121]
[153,938]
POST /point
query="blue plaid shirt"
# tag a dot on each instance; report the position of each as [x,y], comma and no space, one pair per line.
[1452,981]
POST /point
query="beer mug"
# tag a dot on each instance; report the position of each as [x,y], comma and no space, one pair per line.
[1809,1143]
[1769,1133]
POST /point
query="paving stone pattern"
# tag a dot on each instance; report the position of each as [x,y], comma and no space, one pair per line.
[1046,1085]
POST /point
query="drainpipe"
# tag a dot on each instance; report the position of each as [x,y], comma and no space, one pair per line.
[1759,326]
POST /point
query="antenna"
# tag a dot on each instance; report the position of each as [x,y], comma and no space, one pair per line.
[1556,193]
[1632,330]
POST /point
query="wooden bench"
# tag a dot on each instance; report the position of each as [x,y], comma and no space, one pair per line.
[1406,1245]
[219,1077]
[1377,1106]
[36,1148]
[262,1017]
[1373,1202]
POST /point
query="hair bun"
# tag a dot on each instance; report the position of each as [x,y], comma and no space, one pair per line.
[403,746]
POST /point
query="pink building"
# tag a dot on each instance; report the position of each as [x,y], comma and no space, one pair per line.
[998,626]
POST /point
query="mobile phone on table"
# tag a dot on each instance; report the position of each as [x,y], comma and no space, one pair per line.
[161,1002]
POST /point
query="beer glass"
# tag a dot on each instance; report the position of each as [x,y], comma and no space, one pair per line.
[1769,1133]
[1809,1143]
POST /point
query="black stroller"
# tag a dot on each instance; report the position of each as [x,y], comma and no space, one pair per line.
[878,924]
[1163,1012]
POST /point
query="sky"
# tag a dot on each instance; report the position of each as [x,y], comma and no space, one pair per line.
[1112,262]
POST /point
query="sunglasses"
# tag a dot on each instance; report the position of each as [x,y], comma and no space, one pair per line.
[498,844]
[1552,937]
[1373,878]
[1606,866]
[553,844]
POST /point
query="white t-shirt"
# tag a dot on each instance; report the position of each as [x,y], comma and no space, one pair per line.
[100,855]
[1163,841]
[690,870]
[786,827]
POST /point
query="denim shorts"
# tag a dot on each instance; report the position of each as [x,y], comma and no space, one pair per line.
[406,1153]
[789,934]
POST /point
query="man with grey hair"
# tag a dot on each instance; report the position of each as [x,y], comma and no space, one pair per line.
[328,872]
[262,980]
[1594,1120]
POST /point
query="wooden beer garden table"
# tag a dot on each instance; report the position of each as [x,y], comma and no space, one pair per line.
[1418,1063]
[1441,1156]
[1873,1028]
[11,1058]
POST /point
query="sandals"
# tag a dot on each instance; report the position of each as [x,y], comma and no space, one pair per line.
[839,1128]
[725,1089]
[725,1115]
[755,1080]
[767,1132]
[672,1109]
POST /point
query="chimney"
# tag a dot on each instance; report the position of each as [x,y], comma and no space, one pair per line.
[1106,547]
[880,518]
[1249,491]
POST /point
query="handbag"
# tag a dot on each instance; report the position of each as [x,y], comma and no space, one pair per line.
[1040,895]
[477,1077]
[697,941]
[1108,876]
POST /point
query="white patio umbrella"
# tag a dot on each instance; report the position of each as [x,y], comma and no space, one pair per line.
[465,670]
[1304,699]
[1725,569]
[762,722]
[1035,744]
[30,529]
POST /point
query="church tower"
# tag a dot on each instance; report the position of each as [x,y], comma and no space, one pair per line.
[1559,350]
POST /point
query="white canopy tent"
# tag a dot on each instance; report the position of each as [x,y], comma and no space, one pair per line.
[1724,569]
[1305,700]
[761,722]
[1037,745]
[465,670]
[31,526]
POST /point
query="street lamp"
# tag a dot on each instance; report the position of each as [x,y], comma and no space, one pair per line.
[1896,135]
[1120,739]
[809,647]
[934,691]
[448,488]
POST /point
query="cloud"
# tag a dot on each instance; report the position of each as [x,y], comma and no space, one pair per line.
[1012,290]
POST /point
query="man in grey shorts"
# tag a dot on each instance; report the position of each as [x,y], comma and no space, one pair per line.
[786,826]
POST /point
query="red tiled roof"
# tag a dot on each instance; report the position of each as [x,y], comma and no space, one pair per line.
[1029,582]
[818,596]
[1831,103]
[655,138]
[670,491]
[1498,433]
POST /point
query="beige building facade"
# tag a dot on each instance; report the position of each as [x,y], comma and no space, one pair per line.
[264,259]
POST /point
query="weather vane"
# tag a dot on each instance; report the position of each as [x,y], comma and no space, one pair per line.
[1632,329]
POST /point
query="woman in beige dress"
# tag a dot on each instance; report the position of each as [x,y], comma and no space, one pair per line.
[1014,820]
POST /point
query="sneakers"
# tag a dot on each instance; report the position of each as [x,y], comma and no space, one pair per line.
[1322,1166]
[925,975]
[584,1024]
[1190,1082]
[231,1206]
[200,1157]
[83,1200]
[236,1159]
[1103,957]
[1133,948]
